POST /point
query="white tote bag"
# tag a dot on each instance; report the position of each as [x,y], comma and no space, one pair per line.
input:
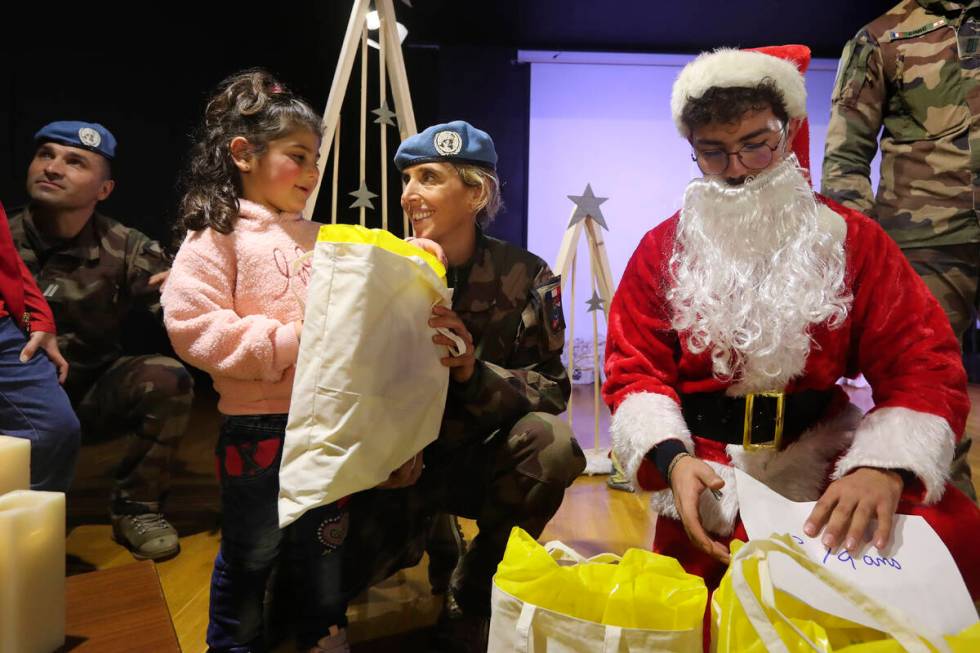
[370,389]
[761,609]
[518,626]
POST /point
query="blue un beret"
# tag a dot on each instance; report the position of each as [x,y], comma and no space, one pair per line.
[457,141]
[87,135]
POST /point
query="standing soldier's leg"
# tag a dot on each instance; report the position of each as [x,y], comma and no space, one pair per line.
[148,398]
[951,275]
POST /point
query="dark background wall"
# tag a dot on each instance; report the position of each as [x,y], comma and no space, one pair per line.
[144,70]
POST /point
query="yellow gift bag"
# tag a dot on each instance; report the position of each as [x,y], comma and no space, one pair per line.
[750,615]
[551,599]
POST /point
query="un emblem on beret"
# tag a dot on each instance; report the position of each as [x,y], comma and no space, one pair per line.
[447,143]
[89,137]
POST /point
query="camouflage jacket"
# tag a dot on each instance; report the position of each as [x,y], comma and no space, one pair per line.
[91,282]
[914,75]
[510,302]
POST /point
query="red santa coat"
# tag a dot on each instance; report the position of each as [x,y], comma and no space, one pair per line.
[19,294]
[895,334]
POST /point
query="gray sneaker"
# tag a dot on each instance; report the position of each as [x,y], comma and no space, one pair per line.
[148,536]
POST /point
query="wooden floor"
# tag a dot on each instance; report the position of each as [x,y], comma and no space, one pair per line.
[393,616]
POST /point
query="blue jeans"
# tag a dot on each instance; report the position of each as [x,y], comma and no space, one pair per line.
[33,406]
[249,452]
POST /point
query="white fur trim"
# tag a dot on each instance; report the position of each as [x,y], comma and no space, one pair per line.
[900,438]
[832,222]
[642,421]
[726,68]
[717,515]
[799,472]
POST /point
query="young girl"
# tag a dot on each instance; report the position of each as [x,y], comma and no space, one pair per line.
[233,308]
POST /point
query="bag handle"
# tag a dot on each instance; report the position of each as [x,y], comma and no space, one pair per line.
[561,551]
[523,627]
[458,347]
[611,639]
[891,622]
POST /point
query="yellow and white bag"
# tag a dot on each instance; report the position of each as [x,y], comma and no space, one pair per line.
[370,389]
[750,615]
[550,599]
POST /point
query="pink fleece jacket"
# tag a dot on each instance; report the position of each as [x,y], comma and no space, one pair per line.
[232,302]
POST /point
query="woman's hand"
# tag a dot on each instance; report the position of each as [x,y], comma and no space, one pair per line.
[431,246]
[405,475]
[461,367]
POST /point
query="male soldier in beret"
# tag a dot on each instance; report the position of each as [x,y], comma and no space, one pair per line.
[95,272]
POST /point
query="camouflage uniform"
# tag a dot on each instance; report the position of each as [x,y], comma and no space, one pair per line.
[502,457]
[93,282]
[914,75]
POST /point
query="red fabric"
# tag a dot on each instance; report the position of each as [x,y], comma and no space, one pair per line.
[17,286]
[233,461]
[263,455]
[265,452]
[896,334]
[799,55]
[904,346]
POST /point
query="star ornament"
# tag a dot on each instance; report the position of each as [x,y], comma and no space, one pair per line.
[587,206]
[596,303]
[384,115]
[362,197]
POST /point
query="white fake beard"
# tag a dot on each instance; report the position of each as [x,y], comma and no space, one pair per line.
[753,272]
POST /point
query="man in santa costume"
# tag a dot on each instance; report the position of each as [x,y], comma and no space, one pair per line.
[755,299]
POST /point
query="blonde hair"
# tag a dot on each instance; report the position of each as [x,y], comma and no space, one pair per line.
[490,202]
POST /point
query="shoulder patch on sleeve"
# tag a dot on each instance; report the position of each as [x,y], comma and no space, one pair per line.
[550,295]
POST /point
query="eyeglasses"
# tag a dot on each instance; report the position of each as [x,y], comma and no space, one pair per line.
[754,156]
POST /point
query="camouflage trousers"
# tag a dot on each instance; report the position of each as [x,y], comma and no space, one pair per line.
[147,401]
[951,275]
[514,477]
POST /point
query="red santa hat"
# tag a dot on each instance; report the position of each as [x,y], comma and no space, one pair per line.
[783,65]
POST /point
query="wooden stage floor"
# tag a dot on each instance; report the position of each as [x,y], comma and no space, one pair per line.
[393,616]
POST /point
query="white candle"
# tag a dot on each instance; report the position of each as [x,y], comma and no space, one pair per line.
[15,464]
[32,571]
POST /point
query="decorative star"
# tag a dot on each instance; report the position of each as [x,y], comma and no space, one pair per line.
[363,196]
[595,304]
[384,115]
[587,206]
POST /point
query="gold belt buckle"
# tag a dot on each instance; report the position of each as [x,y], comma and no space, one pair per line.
[777,441]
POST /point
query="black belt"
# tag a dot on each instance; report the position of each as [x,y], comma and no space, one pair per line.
[715,416]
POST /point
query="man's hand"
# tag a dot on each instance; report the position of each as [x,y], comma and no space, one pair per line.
[431,246]
[688,479]
[850,503]
[405,475]
[48,343]
[461,367]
